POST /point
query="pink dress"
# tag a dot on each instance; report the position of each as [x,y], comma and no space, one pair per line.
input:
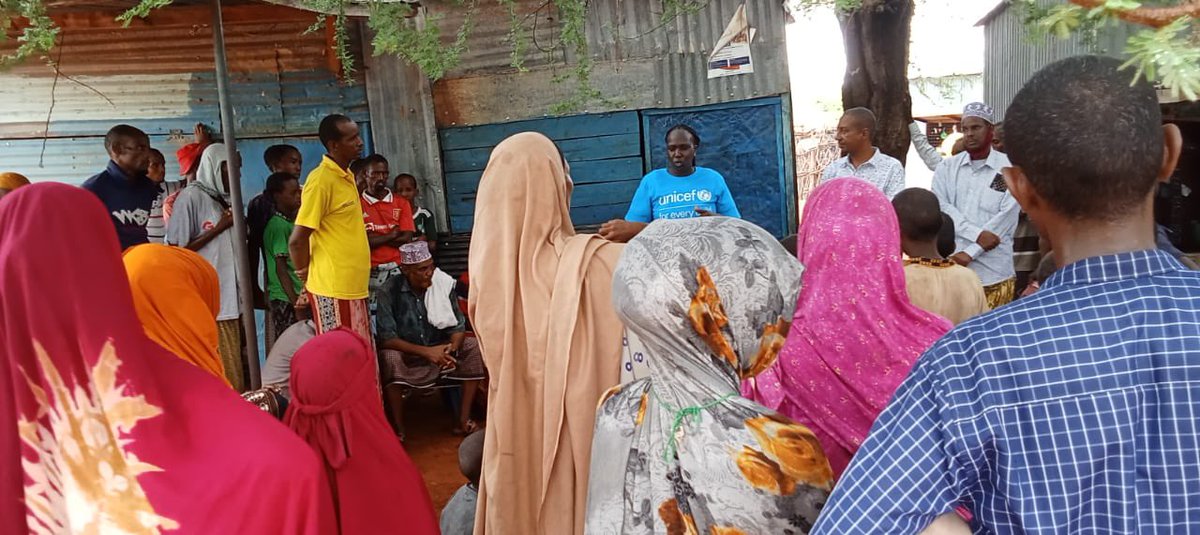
[855,335]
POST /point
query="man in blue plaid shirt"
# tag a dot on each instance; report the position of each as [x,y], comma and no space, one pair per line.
[1075,410]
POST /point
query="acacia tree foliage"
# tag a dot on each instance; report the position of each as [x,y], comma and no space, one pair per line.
[1167,50]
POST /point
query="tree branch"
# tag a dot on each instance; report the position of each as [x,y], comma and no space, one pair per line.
[1154,17]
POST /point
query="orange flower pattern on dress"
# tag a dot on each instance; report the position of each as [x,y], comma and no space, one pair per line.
[676,521]
[678,451]
[794,447]
[708,318]
[82,479]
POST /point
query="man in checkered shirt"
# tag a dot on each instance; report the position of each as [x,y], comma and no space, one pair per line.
[1075,410]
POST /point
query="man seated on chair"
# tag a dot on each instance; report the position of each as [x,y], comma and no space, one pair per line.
[422,336]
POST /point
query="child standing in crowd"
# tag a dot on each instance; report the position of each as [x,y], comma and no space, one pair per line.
[283,286]
[1072,410]
[934,284]
[156,227]
[458,517]
[279,159]
[406,187]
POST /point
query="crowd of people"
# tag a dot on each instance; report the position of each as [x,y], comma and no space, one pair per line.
[881,371]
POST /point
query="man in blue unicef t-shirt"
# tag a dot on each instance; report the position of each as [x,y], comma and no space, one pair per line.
[680,191]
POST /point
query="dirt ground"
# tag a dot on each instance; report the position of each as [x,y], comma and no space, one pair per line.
[433,447]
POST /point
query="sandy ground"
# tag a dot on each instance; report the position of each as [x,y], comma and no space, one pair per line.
[433,447]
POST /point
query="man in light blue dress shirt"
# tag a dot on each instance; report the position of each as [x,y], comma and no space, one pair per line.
[863,160]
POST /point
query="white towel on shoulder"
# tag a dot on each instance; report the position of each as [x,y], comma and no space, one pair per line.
[440,304]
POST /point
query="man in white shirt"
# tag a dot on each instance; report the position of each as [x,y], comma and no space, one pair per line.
[972,191]
[863,160]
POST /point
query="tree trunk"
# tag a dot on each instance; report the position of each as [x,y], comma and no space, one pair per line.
[876,37]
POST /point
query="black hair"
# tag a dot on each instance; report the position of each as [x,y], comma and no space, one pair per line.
[470,456]
[685,128]
[156,152]
[276,181]
[330,129]
[119,132]
[361,164]
[945,242]
[862,117]
[275,153]
[408,176]
[919,214]
[1088,140]
[373,159]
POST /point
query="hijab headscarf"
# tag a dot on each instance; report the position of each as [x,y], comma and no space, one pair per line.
[336,408]
[101,430]
[177,296]
[855,334]
[208,173]
[680,451]
[541,304]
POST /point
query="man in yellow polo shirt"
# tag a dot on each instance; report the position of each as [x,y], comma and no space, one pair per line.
[329,243]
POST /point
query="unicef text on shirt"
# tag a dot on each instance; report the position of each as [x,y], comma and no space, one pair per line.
[682,197]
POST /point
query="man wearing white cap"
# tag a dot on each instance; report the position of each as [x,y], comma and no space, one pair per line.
[422,336]
[972,191]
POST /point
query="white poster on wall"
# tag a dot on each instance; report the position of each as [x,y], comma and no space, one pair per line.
[731,55]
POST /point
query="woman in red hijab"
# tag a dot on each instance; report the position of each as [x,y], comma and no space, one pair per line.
[336,408]
[104,431]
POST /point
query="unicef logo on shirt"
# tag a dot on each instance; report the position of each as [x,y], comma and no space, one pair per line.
[704,195]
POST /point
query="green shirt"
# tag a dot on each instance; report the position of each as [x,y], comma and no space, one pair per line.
[275,245]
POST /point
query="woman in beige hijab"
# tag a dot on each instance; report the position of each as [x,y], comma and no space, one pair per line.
[541,304]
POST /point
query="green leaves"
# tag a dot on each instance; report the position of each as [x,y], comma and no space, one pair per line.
[1062,20]
[396,32]
[141,11]
[36,39]
[1169,55]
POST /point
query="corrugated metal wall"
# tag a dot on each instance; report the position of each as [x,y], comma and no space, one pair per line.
[158,75]
[639,62]
[1013,55]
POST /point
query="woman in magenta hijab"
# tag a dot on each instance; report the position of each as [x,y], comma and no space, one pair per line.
[855,334]
[337,409]
[104,431]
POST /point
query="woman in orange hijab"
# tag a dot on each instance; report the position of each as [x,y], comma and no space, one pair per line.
[177,295]
[10,181]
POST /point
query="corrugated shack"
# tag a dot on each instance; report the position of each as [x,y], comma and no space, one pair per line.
[653,75]
[1013,55]
[157,75]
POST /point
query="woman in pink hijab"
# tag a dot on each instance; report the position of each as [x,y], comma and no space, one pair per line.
[336,408]
[855,334]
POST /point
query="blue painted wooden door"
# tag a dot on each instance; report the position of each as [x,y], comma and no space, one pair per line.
[744,141]
[604,151]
